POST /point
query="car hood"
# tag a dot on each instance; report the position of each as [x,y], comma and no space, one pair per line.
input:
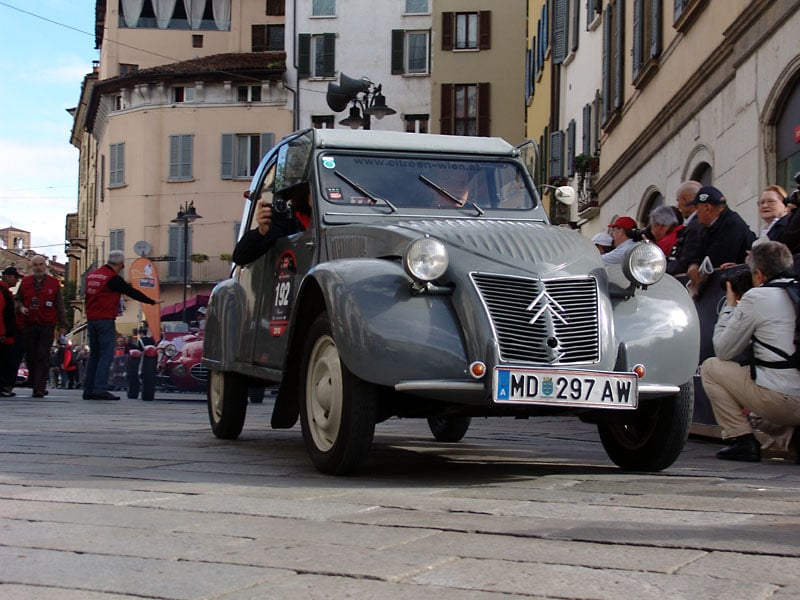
[521,245]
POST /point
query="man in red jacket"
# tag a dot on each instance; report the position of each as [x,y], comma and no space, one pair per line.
[42,307]
[104,286]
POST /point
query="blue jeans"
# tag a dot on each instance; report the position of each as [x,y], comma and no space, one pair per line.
[102,337]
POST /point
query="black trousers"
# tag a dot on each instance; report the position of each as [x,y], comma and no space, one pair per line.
[38,342]
[6,381]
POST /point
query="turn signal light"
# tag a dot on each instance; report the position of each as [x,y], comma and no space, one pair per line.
[477,369]
[639,370]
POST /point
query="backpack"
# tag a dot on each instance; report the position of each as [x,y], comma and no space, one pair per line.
[789,361]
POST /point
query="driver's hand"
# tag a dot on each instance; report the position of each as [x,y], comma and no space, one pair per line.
[263,217]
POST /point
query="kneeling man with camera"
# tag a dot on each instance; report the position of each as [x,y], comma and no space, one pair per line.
[760,321]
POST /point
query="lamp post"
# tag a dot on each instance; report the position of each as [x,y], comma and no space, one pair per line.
[366,98]
[186,215]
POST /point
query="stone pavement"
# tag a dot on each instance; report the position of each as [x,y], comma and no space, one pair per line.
[132,499]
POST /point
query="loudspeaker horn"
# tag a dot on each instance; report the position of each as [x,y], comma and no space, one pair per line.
[339,96]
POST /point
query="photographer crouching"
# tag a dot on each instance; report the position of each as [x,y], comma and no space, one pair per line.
[763,319]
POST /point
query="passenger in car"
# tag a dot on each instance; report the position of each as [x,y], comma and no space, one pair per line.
[273,222]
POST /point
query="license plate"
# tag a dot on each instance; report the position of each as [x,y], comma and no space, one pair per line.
[565,387]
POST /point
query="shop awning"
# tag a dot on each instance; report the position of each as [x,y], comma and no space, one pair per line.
[174,312]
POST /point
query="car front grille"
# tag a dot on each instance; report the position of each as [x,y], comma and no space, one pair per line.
[565,330]
[199,372]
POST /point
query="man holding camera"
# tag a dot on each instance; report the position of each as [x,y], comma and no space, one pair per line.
[763,318]
[288,212]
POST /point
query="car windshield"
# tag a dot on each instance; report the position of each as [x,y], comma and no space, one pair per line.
[423,182]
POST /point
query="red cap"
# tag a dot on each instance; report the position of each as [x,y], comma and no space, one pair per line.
[624,222]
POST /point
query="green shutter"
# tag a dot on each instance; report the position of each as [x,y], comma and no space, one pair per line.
[304,55]
[226,164]
[329,54]
[398,39]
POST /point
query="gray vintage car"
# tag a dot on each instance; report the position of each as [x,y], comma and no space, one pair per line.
[430,284]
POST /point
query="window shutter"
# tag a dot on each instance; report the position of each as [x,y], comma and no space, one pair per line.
[446,114]
[638,36]
[186,156]
[226,162]
[556,154]
[267,142]
[448,25]
[679,6]
[576,24]
[484,112]
[329,54]
[560,31]
[596,122]
[607,63]
[571,148]
[259,41]
[587,129]
[655,28]
[276,7]
[398,38]
[174,156]
[484,30]
[304,55]
[619,55]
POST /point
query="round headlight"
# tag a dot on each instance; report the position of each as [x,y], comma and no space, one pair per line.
[425,259]
[644,264]
[170,350]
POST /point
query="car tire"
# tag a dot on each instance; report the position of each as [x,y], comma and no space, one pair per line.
[227,403]
[450,428]
[256,395]
[148,378]
[133,377]
[653,437]
[337,409]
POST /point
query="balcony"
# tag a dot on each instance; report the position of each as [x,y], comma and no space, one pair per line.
[211,270]
[75,237]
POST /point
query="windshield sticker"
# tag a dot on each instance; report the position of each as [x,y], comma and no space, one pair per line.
[334,193]
[328,162]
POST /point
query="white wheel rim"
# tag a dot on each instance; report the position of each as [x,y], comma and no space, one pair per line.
[215,388]
[324,393]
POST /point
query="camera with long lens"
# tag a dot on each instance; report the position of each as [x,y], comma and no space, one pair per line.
[740,277]
[642,234]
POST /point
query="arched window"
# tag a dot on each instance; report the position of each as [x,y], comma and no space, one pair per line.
[702,173]
[652,198]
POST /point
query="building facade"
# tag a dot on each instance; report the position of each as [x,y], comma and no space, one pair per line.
[388,44]
[178,112]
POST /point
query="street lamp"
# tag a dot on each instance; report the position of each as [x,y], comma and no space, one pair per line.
[366,97]
[186,215]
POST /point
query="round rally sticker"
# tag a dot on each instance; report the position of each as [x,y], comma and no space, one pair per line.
[328,162]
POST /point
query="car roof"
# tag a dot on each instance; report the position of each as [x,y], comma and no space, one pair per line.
[414,142]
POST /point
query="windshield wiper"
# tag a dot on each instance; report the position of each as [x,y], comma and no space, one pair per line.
[447,194]
[362,190]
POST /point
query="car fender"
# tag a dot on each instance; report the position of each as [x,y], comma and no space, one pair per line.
[384,333]
[658,328]
[224,324]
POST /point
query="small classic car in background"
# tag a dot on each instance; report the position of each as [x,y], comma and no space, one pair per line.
[430,284]
[180,366]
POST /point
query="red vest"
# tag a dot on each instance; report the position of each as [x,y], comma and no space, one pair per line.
[42,306]
[101,302]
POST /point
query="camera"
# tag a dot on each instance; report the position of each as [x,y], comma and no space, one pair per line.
[740,277]
[281,207]
[639,235]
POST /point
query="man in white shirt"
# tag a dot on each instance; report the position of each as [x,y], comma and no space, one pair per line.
[622,233]
[764,316]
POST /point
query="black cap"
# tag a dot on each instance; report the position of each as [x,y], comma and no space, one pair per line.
[11,270]
[708,195]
